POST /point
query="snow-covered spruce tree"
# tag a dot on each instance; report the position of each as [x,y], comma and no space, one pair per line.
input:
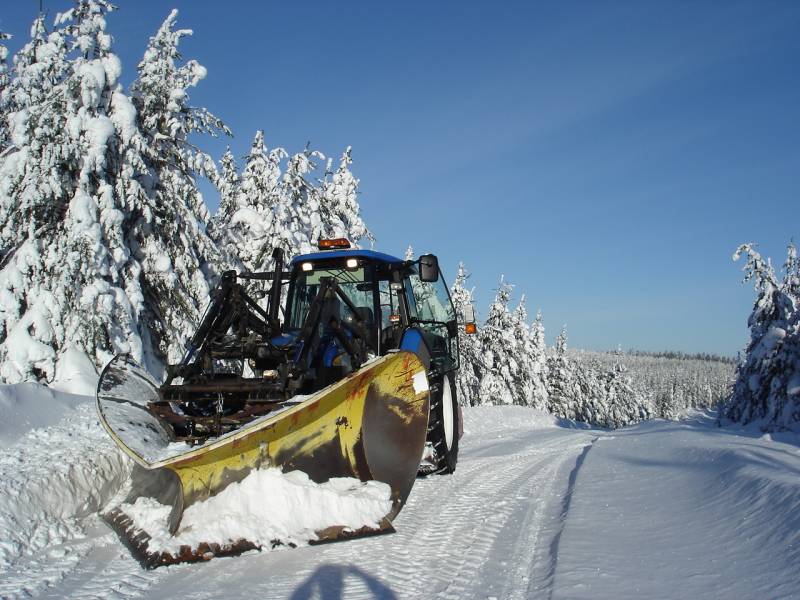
[767,387]
[585,391]
[589,396]
[340,212]
[469,374]
[496,339]
[561,384]
[621,405]
[36,113]
[4,93]
[538,363]
[178,259]
[246,224]
[227,184]
[524,354]
[667,382]
[272,206]
[100,236]
[297,216]
[67,274]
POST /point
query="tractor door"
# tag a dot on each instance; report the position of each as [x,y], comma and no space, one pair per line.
[431,310]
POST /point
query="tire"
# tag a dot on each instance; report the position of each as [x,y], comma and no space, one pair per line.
[444,426]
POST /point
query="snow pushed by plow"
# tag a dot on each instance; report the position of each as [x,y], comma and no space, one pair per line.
[268,507]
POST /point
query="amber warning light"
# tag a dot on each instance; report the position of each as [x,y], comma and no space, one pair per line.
[333,244]
[469,320]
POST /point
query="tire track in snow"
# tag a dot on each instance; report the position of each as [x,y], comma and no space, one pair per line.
[107,570]
[455,527]
[541,582]
[515,528]
[451,523]
[480,549]
[393,561]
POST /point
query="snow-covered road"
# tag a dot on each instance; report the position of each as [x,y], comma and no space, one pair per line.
[668,510]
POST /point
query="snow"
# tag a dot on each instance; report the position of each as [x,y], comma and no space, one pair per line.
[686,509]
[267,506]
[75,373]
[59,471]
[664,509]
[28,406]
[481,421]
[25,350]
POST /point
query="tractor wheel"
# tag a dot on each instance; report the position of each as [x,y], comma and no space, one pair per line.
[443,428]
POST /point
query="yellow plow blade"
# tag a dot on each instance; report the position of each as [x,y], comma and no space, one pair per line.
[370,426]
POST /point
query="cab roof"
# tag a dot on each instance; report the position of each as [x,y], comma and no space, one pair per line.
[327,254]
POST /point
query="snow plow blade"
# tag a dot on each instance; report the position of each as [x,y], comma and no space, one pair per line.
[370,425]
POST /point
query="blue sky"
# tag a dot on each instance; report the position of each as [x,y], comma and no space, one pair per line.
[607,157]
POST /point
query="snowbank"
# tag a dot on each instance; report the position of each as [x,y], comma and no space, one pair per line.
[28,406]
[75,373]
[480,420]
[265,507]
[53,476]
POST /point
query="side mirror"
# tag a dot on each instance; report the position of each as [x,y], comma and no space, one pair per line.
[469,320]
[428,268]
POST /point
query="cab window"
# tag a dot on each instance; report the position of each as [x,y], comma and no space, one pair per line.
[431,300]
[432,311]
[355,283]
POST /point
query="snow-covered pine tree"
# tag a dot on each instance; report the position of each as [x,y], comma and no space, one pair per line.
[227,183]
[67,275]
[538,363]
[4,93]
[524,355]
[561,380]
[298,213]
[767,387]
[409,255]
[340,212]
[246,224]
[102,228]
[587,394]
[178,259]
[36,115]
[496,339]
[469,373]
[621,404]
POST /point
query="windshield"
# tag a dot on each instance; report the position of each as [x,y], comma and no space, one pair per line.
[355,283]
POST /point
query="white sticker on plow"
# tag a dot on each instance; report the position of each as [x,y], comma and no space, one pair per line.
[420,381]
